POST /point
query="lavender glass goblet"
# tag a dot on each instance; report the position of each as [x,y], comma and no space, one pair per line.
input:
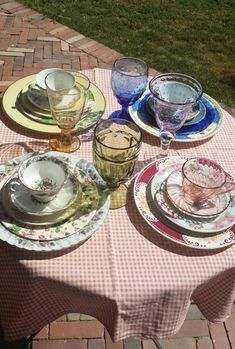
[128,80]
[174,96]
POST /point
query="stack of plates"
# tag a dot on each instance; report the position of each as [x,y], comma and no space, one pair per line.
[203,122]
[32,111]
[159,199]
[71,217]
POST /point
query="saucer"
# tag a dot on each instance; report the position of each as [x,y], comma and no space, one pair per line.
[198,113]
[25,202]
[213,206]
[37,98]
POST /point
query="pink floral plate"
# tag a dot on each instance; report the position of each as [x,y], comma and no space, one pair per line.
[79,227]
[214,206]
[191,233]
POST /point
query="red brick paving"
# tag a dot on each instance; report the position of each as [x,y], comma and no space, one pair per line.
[30,42]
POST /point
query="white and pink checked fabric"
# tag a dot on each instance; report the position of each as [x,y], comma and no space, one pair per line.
[132,279]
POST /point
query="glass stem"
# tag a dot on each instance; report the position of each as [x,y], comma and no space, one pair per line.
[166,138]
[124,113]
[66,136]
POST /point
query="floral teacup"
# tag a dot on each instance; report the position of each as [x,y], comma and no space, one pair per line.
[42,176]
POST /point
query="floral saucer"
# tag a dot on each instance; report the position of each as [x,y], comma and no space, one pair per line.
[212,207]
[178,227]
[24,202]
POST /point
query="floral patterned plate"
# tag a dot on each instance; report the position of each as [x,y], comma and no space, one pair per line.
[188,235]
[66,234]
[207,127]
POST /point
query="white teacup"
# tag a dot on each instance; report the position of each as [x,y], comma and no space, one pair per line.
[42,176]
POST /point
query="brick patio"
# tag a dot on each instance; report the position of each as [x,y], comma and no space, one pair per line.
[30,42]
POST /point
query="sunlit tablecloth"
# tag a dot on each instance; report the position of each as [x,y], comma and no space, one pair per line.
[132,279]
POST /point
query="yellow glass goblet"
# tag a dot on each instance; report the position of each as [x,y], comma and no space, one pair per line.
[67,97]
[116,146]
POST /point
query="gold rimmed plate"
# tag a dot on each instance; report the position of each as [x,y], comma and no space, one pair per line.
[29,116]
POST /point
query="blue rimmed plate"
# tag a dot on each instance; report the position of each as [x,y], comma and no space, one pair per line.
[207,127]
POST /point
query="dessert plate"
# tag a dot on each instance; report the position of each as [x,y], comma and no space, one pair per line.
[29,116]
[190,234]
[198,113]
[84,222]
[25,203]
[203,129]
[212,207]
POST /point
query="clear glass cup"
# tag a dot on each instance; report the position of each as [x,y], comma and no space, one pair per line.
[116,146]
[67,97]
[174,96]
[128,80]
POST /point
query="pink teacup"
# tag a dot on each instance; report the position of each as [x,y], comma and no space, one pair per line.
[203,178]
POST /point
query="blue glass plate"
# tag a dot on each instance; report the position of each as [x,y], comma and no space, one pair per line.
[201,130]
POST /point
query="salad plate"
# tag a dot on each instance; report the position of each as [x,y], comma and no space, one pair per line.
[20,110]
[192,233]
[86,219]
[207,127]
[215,204]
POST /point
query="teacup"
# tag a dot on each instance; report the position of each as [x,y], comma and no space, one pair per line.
[39,85]
[203,178]
[42,176]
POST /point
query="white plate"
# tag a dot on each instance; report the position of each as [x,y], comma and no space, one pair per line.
[72,232]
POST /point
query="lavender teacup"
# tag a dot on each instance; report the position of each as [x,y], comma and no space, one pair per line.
[203,178]
[42,176]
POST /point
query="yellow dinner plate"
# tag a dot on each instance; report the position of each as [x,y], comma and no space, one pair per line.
[33,120]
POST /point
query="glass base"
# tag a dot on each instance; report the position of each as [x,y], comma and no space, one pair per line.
[56,144]
[118,197]
[118,114]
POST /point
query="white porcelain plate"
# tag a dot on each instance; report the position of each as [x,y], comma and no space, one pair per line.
[80,226]
[177,227]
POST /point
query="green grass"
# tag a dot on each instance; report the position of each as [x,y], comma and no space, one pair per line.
[195,37]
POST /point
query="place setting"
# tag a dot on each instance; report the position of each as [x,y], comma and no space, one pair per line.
[50,201]
[203,121]
[188,200]
[26,102]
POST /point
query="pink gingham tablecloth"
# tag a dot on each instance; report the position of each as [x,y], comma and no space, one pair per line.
[128,276]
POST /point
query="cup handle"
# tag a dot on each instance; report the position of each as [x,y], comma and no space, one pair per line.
[229,185]
[13,185]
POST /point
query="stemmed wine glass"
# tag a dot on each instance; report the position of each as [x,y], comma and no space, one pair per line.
[116,146]
[67,97]
[174,96]
[128,80]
